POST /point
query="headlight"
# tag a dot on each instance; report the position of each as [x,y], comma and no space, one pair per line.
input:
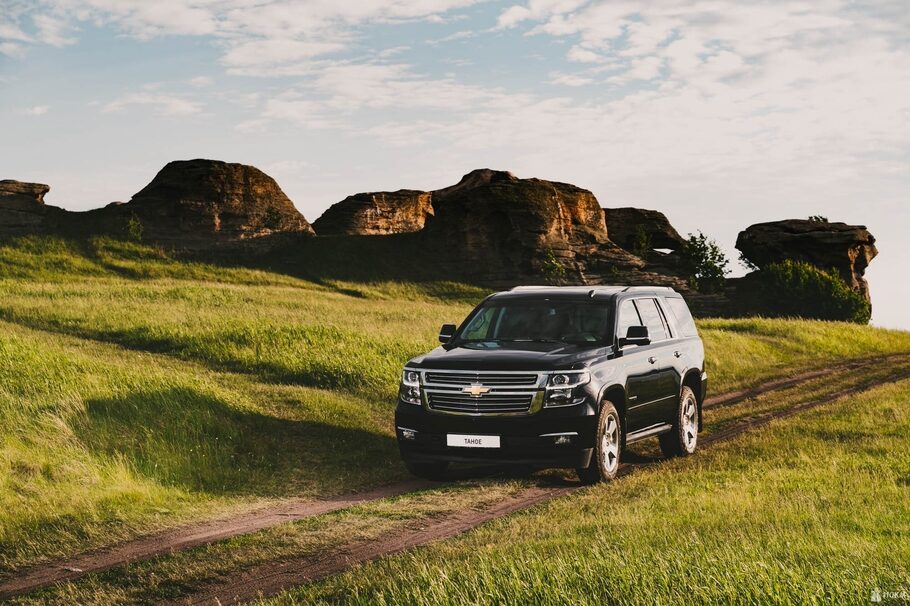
[563,388]
[571,378]
[409,392]
[411,378]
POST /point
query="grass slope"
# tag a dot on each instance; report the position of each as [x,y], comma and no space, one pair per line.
[137,391]
[814,510]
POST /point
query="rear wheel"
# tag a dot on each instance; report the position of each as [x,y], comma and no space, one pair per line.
[607,449]
[429,470]
[683,440]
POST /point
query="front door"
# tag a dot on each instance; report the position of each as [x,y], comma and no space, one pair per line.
[651,385]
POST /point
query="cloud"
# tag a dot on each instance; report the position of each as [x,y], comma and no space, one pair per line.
[52,30]
[12,49]
[36,110]
[200,81]
[570,80]
[163,104]
[579,54]
[282,35]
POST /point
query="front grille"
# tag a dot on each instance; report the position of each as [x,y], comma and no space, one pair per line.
[504,392]
[482,378]
[490,403]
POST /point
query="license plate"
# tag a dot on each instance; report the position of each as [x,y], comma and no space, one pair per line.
[464,441]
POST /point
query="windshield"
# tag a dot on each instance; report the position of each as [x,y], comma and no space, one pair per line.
[538,320]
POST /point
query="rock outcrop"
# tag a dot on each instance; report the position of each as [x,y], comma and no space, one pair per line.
[195,202]
[627,225]
[378,213]
[22,208]
[848,249]
[495,227]
[190,204]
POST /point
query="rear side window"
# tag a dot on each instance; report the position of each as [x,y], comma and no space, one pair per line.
[683,316]
[650,315]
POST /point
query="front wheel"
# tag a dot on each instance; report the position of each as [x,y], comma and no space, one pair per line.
[683,439]
[607,450]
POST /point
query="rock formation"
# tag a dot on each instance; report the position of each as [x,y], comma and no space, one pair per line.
[378,213]
[192,202]
[495,227]
[22,208]
[626,225]
[189,204]
[845,248]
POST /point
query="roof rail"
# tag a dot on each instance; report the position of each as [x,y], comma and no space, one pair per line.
[628,288]
[528,287]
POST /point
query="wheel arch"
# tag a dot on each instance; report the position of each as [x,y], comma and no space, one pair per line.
[616,394]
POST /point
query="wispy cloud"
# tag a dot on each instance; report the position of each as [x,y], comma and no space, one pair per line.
[163,104]
[36,110]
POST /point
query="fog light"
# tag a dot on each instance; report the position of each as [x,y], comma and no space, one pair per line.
[407,434]
[561,438]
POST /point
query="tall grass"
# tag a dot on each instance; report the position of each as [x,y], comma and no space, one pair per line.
[138,390]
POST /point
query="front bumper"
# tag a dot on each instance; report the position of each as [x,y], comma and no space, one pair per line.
[527,440]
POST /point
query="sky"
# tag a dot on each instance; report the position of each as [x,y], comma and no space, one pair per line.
[719,113]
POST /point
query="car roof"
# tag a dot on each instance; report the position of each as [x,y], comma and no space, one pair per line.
[581,292]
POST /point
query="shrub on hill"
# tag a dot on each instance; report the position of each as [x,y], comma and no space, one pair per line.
[800,289]
[705,263]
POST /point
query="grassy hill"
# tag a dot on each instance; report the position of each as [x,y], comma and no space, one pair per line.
[138,391]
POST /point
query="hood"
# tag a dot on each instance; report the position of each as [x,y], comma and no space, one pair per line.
[514,356]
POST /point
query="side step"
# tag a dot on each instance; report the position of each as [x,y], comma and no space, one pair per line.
[648,432]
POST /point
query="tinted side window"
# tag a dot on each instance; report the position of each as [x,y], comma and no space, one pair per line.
[650,315]
[628,316]
[683,316]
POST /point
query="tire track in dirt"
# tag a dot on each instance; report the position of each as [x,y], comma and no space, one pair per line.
[272,578]
[203,533]
[186,537]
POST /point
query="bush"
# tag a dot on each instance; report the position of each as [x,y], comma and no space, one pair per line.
[134,228]
[706,263]
[554,272]
[641,245]
[800,289]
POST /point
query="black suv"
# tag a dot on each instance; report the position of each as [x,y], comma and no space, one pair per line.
[556,377]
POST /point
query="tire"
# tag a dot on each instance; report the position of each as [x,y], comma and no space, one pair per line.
[428,470]
[683,439]
[607,448]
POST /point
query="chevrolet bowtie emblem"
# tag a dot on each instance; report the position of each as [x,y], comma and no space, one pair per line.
[476,390]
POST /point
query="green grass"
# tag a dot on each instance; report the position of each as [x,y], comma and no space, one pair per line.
[138,391]
[812,510]
[171,577]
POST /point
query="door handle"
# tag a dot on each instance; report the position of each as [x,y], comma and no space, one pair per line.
[677,354]
[652,360]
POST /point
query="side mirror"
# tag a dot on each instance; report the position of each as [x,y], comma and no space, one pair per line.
[636,335]
[446,332]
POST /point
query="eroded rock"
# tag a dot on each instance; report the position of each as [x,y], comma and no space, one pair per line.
[22,208]
[377,213]
[627,225]
[845,248]
[192,202]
